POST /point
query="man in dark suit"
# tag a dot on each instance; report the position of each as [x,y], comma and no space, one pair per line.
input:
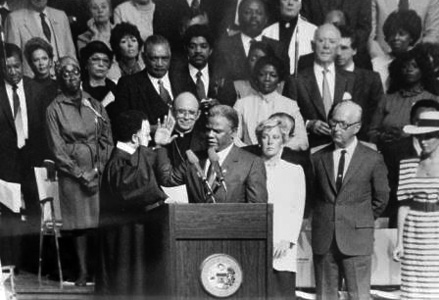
[351,191]
[317,88]
[244,173]
[22,146]
[368,89]
[232,51]
[357,14]
[151,90]
[190,135]
[196,74]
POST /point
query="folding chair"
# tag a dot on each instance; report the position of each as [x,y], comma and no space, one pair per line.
[51,221]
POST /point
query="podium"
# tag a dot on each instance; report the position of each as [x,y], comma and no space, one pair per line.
[210,251]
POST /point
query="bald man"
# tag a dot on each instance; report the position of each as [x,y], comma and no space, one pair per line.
[190,135]
[318,88]
[350,191]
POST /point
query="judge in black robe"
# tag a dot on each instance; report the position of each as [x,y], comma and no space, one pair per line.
[129,190]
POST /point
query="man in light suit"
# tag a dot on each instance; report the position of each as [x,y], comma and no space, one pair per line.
[232,51]
[151,90]
[313,93]
[244,173]
[292,30]
[39,20]
[351,191]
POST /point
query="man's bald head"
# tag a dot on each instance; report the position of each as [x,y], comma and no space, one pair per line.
[186,111]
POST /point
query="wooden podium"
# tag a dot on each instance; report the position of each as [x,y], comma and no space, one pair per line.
[183,236]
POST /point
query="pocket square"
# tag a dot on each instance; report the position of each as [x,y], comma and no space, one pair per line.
[347,96]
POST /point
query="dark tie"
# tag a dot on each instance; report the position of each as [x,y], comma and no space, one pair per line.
[201,91]
[46,29]
[340,171]
[3,13]
[18,119]
[210,175]
[164,94]
[403,5]
[326,97]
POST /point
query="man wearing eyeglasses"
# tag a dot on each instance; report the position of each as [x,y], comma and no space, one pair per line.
[351,191]
[190,135]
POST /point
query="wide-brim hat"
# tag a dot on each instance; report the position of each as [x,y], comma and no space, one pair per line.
[428,122]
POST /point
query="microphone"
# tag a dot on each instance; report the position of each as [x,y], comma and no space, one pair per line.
[87,103]
[193,160]
[214,160]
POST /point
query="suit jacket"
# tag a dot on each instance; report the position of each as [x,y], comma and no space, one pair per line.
[231,59]
[348,216]
[21,27]
[244,173]
[137,92]
[17,162]
[195,140]
[305,90]
[368,90]
[221,89]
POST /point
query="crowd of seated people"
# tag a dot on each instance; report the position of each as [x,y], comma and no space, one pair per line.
[208,74]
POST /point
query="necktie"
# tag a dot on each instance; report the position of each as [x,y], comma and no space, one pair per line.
[18,119]
[210,174]
[403,5]
[164,94]
[201,91]
[327,99]
[46,29]
[340,171]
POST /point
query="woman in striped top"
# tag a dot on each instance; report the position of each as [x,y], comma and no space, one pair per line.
[418,217]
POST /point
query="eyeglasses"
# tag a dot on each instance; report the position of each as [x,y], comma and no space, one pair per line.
[184,112]
[341,124]
[66,74]
[95,60]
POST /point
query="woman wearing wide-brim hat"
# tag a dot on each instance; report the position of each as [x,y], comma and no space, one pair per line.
[418,216]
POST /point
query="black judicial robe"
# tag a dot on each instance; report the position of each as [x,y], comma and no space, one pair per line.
[129,186]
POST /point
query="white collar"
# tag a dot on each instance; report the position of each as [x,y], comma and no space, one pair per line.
[193,71]
[19,84]
[223,153]
[320,68]
[246,39]
[350,67]
[5,6]
[350,148]
[126,147]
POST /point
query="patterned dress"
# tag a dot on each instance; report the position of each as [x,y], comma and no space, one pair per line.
[420,262]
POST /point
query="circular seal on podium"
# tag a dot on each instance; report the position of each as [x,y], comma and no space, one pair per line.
[221,275]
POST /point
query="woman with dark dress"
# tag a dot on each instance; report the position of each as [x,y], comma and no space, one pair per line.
[96,60]
[79,137]
[39,55]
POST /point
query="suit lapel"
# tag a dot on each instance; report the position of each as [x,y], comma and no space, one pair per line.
[328,165]
[30,25]
[5,106]
[313,90]
[354,165]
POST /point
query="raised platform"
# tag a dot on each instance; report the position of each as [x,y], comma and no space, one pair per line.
[28,287]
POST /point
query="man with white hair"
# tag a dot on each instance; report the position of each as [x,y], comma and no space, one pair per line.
[317,88]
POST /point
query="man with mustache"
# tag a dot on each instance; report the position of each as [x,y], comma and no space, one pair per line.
[197,75]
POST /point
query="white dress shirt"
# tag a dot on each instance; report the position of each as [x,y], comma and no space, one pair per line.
[348,156]
[166,84]
[246,41]
[222,156]
[21,95]
[125,147]
[204,76]
[330,76]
